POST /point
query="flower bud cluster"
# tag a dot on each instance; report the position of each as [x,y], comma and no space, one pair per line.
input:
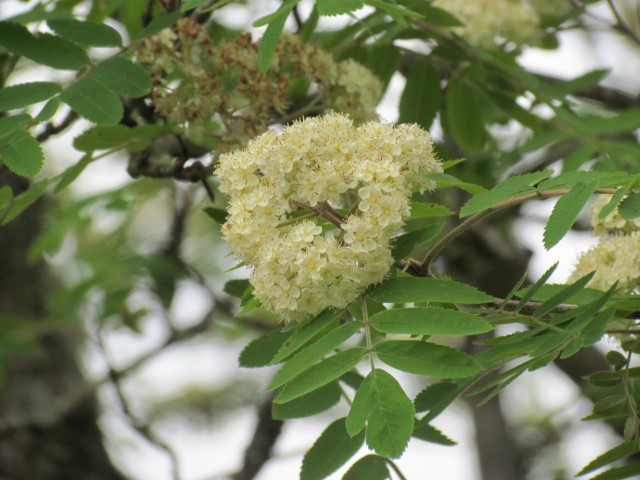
[312,209]
[196,82]
[488,23]
[616,257]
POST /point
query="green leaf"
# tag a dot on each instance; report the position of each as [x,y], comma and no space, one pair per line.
[578,157]
[320,374]
[420,100]
[6,196]
[86,33]
[191,4]
[42,48]
[18,96]
[564,294]
[428,210]
[583,81]
[395,11]
[616,198]
[301,337]
[259,352]
[596,328]
[236,287]
[102,137]
[48,111]
[437,16]
[429,321]
[622,121]
[405,244]
[629,208]
[94,101]
[429,433]
[22,154]
[565,212]
[381,401]
[613,406]
[73,172]
[307,357]
[12,123]
[217,214]
[531,291]
[464,119]
[123,76]
[616,453]
[444,180]
[428,359]
[371,467]
[412,289]
[333,449]
[24,200]
[269,40]
[283,11]
[619,473]
[330,8]
[158,24]
[605,379]
[616,359]
[510,188]
[310,404]
[436,397]
[105,137]
[571,179]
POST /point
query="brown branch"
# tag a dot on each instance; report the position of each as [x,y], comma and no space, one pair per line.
[422,269]
[264,438]
[50,129]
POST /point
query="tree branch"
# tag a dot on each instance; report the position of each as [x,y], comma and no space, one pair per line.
[264,438]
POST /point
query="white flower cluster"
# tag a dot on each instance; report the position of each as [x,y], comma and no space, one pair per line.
[616,257]
[488,21]
[312,209]
[354,90]
[613,221]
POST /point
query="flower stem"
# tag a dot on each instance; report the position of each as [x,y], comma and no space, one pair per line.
[367,329]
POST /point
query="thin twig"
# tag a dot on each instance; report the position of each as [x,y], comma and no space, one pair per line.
[423,268]
[621,25]
[135,422]
[51,129]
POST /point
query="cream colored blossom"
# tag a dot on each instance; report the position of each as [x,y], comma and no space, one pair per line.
[614,258]
[613,221]
[321,165]
[486,22]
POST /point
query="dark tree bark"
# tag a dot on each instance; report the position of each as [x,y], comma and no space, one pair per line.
[35,442]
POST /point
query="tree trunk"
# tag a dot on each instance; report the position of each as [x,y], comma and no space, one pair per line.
[35,442]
